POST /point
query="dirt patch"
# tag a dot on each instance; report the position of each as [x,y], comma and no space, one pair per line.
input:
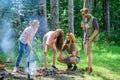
[62,75]
[8,74]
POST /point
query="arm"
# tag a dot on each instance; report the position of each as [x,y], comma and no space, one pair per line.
[96,27]
[62,50]
[61,54]
[73,54]
[83,25]
[93,35]
[74,50]
[29,42]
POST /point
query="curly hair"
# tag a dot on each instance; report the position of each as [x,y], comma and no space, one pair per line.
[60,39]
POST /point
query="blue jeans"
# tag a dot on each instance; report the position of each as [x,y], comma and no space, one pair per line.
[23,47]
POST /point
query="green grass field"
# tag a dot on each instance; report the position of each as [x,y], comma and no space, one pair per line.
[106,65]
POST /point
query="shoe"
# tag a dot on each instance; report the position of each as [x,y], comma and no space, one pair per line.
[74,68]
[69,66]
[54,67]
[15,69]
[88,70]
[27,70]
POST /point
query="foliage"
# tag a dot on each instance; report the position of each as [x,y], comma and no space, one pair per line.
[106,48]
[19,12]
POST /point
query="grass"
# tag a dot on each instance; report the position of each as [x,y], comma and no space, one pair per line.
[106,65]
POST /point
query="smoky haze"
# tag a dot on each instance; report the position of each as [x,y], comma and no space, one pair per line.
[13,15]
[6,31]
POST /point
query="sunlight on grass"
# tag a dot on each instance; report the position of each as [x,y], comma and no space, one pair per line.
[106,65]
[105,73]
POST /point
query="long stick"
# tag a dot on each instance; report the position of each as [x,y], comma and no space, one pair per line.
[28,71]
[36,55]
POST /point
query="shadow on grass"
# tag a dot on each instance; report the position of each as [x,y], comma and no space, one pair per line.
[68,75]
[61,77]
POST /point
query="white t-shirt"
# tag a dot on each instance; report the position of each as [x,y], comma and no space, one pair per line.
[31,31]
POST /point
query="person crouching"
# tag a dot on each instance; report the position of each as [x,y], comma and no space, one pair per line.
[73,57]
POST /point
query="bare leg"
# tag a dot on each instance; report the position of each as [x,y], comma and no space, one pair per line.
[54,54]
[73,61]
[45,55]
[89,55]
[61,59]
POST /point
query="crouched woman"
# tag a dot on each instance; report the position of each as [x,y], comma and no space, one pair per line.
[73,58]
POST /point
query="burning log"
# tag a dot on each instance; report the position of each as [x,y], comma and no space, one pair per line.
[60,72]
[45,72]
[1,77]
[2,67]
[49,71]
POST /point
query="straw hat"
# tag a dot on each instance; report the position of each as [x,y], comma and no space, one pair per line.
[71,35]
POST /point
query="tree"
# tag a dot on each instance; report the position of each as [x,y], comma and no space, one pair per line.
[95,2]
[106,15]
[71,15]
[43,18]
[54,10]
[88,4]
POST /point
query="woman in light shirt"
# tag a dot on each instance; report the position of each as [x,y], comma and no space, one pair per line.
[26,40]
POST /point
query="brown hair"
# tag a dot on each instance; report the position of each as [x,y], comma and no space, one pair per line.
[84,10]
[60,39]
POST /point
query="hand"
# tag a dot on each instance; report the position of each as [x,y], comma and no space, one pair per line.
[90,39]
[33,49]
[60,57]
[83,25]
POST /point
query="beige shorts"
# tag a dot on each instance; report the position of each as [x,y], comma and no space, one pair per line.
[87,47]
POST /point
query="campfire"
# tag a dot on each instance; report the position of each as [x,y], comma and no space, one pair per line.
[21,74]
[38,71]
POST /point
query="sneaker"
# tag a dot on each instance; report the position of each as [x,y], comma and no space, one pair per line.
[15,69]
[74,68]
[88,70]
[55,68]
[27,70]
[69,66]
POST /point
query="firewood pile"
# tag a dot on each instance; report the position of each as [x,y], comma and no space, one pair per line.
[9,75]
[51,71]
[48,72]
[6,74]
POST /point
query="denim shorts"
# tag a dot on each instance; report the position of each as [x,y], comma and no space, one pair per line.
[44,39]
[67,60]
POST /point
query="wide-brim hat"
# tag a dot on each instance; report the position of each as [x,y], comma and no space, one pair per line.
[72,36]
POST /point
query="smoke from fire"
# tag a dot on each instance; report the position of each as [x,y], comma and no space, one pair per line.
[8,42]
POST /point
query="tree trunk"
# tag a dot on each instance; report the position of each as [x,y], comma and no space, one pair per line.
[95,2]
[43,18]
[54,10]
[71,15]
[106,16]
[88,4]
